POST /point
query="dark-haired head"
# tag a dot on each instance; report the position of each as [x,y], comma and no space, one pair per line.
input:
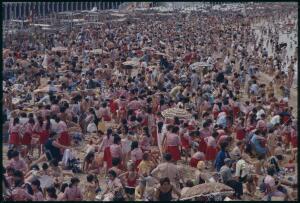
[15,154]
[167,156]
[112,173]
[176,121]
[146,131]
[145,156]
[37,184]
[134,145]
[109,132]
[9,154]
[90,157]
[16,121]
[51,191]
[63,187]
[74,181]
[175,129]
[90,178]
[215,134]
[279,157]
[271,171]
[115,161]
[205,124]
[189,183]
[117,139]
[35,167]
[164,180]
[54,163]
[18,175]
[18,183]
[224,145]
[45,166]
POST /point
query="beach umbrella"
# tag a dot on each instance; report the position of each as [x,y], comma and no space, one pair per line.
[176,112]
[207,190]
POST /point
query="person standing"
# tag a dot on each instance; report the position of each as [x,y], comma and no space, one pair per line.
[73,192]
[221,156]
[107,141]
[211,149]
[64,138]
[165,190]
[27,137]
[14,131]
[227,178]
[172,143]
[136,154]
[168,169]
[115,150]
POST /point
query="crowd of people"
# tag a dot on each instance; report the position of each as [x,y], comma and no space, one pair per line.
[83,125]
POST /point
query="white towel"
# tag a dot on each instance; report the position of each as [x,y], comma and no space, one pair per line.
[91,128]
[46,181]
[67,156]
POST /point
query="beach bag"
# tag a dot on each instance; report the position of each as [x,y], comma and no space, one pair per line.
[73,165]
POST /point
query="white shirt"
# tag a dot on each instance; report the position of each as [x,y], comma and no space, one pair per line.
[126,145]
[235,153]
[275,120]
[54,125]
[91,128]
[259,113]
[45,99]
[241,168]
[23,120]
[90,148]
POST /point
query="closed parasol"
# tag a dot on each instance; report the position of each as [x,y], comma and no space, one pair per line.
[47,89]
[118,14]
[197,65]
[41,25]
[131,63]
[161,54]
[60,49]
[98,51]
[176,112]
[148,48]
[119,20]
[207,190]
